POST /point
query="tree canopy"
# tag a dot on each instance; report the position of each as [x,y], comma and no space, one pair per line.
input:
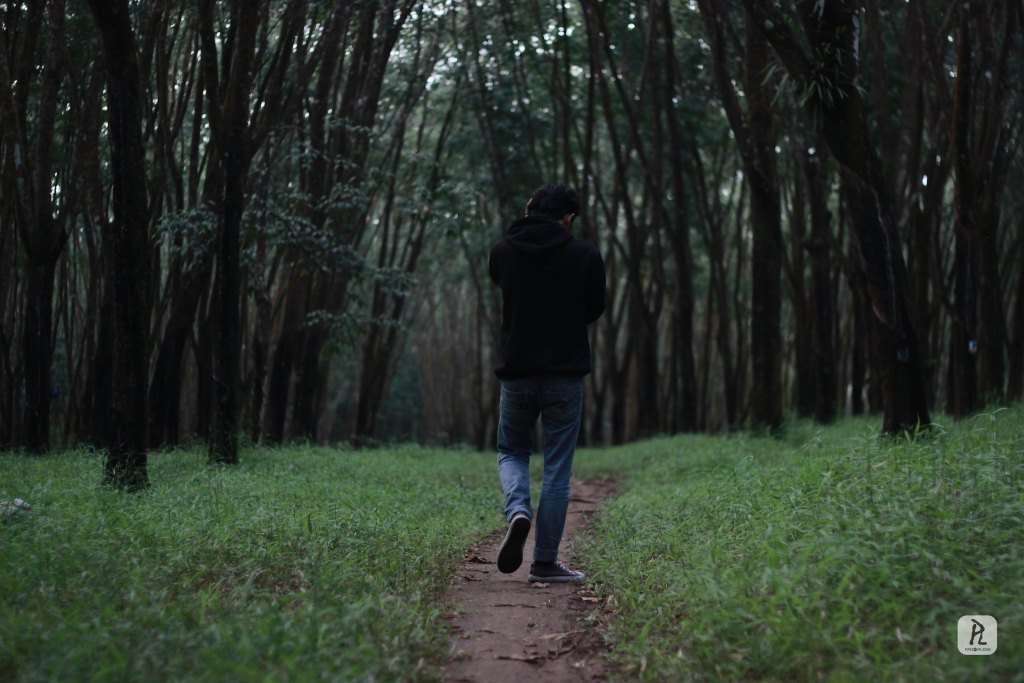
[244,222]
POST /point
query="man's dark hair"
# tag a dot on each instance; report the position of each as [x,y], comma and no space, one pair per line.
[554,201]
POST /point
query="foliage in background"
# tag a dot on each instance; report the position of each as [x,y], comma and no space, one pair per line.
[382,172]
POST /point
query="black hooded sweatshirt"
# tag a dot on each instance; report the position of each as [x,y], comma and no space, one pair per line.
[552,285]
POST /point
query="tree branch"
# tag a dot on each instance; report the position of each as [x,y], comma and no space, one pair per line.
[776,29]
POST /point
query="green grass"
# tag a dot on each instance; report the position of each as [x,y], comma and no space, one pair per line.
[300,564]
[824,555]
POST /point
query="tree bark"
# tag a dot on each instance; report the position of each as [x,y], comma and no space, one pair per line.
[755,138]
[713,234]
[8,287]
[37,345]
[1015,378]
[188,282]
[101,379]
[803,376]
[230,126]
[822,294]
[29,173]
[766,257]
[286,348]
[963,350]
[130,266]
[679,232]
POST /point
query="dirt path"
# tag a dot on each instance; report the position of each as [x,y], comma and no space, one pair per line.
[507,629]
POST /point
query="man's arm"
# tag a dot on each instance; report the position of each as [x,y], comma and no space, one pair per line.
[595,288]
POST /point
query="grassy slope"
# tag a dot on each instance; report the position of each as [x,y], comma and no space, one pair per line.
[301,564]
[833,555]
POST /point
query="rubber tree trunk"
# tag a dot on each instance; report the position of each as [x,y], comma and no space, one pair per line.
[101,377]
[226,367]
[279,379]
[755,137]
[822,295]
[992,327]
[37,345]
[803,376]
[130,270]
[962,385]
[165,389]
[168,377]
[233,138]
[1015,379]
[32,171]
[7,379]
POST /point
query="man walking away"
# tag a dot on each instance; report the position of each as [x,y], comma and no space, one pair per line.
[552,286]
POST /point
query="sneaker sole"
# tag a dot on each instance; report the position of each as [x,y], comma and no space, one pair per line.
[510,557]
[556,579]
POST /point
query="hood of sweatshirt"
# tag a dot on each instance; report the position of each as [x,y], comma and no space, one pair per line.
[537,236]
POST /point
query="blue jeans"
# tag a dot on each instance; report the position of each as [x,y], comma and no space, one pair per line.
[558,400]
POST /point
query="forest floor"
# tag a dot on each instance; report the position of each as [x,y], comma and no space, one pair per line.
[507,629]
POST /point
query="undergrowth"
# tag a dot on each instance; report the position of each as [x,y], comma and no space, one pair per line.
[829,554]
[821,554]
[299,564]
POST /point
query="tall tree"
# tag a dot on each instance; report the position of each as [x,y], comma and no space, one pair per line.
[1015,371]
[719,308]
[819,244]
[669,92]
[129,269]
[828,78]
[353,102]
[924,143]
[188,221]
[398,253]
[229,120]
[755,137]
[980,157]
[29,177]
